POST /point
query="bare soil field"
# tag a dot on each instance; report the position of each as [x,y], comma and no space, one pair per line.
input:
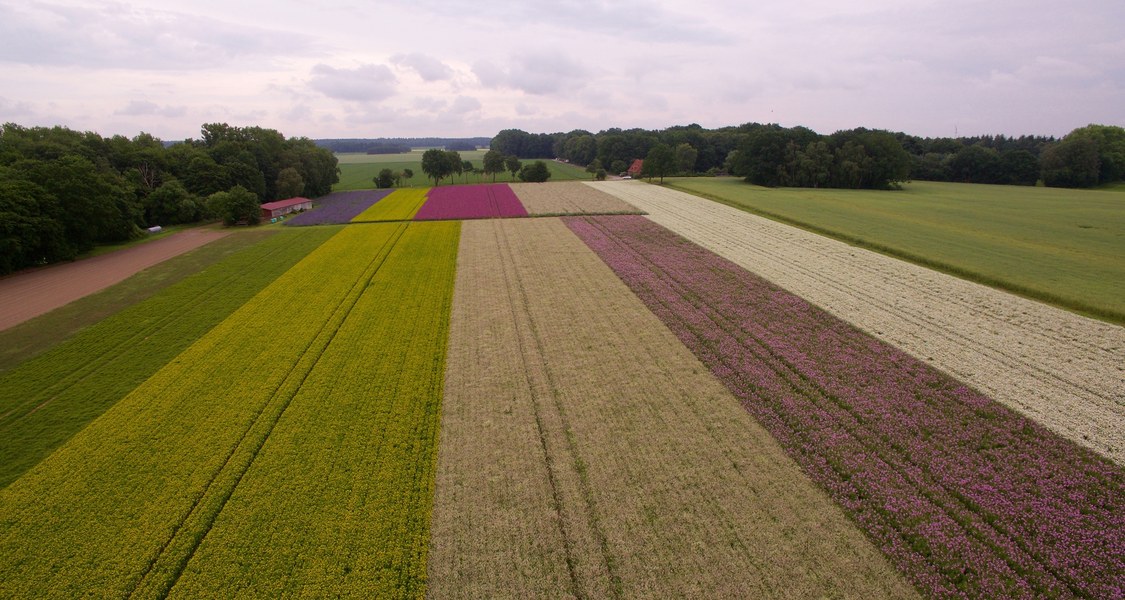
[568,198]
[585,452]
[1063,370]
[27,295]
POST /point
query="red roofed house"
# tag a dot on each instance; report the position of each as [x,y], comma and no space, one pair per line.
[284,207]
[635,168]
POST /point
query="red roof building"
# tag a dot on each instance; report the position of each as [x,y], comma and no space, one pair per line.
[635,168]
[284,207]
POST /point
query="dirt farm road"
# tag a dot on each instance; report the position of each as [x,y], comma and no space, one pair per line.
[27,295]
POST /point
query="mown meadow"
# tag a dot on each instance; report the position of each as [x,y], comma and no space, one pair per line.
[433,392]
[358,170]
[1061,246]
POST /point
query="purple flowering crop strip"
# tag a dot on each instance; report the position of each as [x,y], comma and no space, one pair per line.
[482,201]
[966,497]
[338,207]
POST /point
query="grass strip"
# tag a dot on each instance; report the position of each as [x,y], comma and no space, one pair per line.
[962,494]
[48,399]
[1058,246]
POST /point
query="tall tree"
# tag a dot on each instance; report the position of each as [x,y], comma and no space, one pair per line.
[493,163]
[513,164]
[659,162]
[435,165]
[686,155]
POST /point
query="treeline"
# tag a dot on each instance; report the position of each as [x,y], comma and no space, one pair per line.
[63,191]
[768,154]
[400,145]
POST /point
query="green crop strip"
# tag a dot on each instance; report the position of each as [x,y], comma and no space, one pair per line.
[345,480]
[51,397]
[136,486]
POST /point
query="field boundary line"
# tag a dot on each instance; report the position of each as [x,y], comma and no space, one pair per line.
[201,516]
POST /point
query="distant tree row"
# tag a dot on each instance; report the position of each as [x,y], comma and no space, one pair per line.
[439,164]
[63,191]
[367,144]
[778,156]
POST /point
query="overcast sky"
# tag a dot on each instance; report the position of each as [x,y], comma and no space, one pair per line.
[341,68]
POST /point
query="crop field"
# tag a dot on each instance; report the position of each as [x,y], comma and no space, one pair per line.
[1061,246]
[455,392]
[357,171]
[569,198]
[1066,372]
[338,208]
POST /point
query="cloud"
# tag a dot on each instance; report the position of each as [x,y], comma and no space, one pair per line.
[464,104]
[144,107]
[427,67]
[11,108]
[540,74]
[367,83]
[127,36]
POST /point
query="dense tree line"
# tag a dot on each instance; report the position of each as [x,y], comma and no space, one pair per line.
[64,191]
[769,154]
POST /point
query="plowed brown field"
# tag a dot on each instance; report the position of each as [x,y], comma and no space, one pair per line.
[1065,371]
[586,452]
[27,295]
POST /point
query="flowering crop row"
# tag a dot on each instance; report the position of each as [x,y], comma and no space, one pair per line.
[121,507]
[482,201]
[49,398]
[345,481]
[967,497]
[338,207]
[400,205]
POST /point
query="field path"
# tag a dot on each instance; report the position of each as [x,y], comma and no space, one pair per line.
[27,295]
[1063,370]
[585,452]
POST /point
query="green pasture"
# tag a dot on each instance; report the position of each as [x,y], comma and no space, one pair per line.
[358,171]
[1062,246]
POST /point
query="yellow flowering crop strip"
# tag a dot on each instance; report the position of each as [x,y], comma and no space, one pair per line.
[338,501]
[400,205]
[121,506]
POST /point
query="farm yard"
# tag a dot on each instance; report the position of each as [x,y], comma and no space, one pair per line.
[566,390]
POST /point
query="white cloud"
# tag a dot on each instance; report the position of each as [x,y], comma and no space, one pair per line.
[131,37]
[367,83]
[144,107]
[427,67]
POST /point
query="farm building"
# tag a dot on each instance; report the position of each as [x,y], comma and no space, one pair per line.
[284,207]
[635,168]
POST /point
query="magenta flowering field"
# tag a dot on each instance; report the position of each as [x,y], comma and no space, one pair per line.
[483,201]
[966,497]
[338,207]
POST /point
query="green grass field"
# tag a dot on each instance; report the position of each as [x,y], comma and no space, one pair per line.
[357,171]
[1062,246]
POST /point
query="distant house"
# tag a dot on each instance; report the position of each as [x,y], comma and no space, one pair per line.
[635,168]
[284,207]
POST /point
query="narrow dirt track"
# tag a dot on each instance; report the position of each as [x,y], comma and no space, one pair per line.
[1063,370]
[27,295]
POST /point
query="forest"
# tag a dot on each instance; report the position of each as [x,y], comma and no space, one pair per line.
[63,191]
[772,155]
